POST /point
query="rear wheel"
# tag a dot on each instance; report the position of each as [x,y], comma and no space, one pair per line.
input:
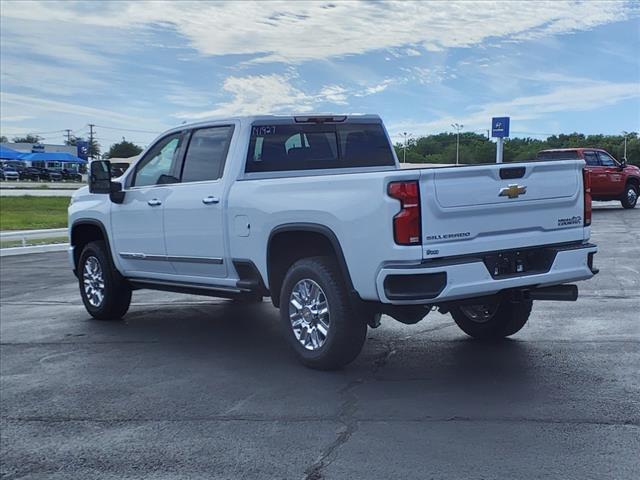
[319,320]
[105,294]
[495,318]
[630,196]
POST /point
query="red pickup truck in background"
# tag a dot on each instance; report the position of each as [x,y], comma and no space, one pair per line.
[610,179]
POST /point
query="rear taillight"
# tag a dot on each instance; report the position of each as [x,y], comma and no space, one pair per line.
[406,224]
[586,178]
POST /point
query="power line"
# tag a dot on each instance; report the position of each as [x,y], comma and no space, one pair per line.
[37,133]
[126,129]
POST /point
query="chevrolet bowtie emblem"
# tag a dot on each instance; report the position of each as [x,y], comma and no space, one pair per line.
[513,191]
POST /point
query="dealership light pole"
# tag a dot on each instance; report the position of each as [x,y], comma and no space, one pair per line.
[404,150]
[625,145]
[458,127]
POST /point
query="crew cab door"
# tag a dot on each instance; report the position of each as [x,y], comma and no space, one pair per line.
[612,176]
[596,173]
[138,223]
[194,212]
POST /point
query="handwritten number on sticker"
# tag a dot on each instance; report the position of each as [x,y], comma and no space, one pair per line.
[262,130]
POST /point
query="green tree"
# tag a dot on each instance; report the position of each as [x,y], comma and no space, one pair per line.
[3,139]
[27,139]
[475,148]
[123,149]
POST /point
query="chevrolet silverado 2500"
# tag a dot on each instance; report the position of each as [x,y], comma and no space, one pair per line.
[610,179]
[315,213]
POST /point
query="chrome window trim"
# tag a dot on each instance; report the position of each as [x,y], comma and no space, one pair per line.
[171,258]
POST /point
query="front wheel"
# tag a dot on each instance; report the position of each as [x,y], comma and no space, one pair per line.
[495,318]
[105,294]
[630,196]
[318,318]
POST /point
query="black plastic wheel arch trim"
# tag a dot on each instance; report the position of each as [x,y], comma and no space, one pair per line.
[329,234]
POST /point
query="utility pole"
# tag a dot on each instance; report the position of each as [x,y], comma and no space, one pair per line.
[458,127]
[404,151]
[91,125]
[625,145]
[68,135]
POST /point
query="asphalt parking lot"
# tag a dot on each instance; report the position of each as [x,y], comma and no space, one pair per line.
[191,387]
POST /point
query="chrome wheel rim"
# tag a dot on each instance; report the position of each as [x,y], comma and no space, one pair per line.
[93,281]
[481,312]
[309,314]
[632,196]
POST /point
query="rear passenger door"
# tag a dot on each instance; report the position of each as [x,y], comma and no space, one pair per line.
[596,172]
[194,212]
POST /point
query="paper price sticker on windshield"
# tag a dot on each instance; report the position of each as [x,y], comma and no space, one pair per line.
[263,130]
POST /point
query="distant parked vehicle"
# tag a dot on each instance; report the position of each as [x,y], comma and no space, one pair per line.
[30,173]
[610,179]
[8,173]
[36,174]
[70,175]
[51,175]
[118,169]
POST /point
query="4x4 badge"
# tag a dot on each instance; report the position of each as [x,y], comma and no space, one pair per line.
[513,191]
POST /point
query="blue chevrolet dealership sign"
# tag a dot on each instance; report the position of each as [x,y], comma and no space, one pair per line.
[83,149]
[500,127]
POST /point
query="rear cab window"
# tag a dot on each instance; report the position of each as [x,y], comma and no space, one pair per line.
[559,155]
[312,146]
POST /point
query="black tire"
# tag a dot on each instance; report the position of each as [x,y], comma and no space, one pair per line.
[504,317]
[117,292]
[629,198]
[346,330]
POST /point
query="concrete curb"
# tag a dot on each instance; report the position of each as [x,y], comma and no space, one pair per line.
[52,247]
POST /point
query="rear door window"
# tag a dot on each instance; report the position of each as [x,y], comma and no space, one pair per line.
[206,154]
[289,147]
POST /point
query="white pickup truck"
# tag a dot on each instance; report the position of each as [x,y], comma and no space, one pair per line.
[315,212]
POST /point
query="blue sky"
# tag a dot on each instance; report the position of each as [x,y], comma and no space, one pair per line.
[136,68]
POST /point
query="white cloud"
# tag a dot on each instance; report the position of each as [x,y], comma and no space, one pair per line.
[334,94]
[256,94]
[580,96]
[372,90]
[45,77]
[298,31]
[23,105]
[275,93]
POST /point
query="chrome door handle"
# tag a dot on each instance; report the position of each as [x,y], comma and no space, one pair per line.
[210,200]
[154,202]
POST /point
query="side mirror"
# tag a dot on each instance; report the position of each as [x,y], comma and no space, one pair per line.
[623,164]
[100,176]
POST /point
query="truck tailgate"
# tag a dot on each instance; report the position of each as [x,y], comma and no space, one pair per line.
[486,208]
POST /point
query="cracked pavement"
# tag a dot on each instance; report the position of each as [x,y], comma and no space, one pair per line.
[192,387]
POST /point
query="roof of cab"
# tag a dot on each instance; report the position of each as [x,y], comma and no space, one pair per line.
[574,149]
[261,118]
